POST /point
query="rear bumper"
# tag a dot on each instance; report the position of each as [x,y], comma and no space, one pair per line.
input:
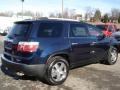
[31,70]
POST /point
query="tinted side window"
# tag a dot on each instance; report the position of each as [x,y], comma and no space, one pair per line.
[77,30]
[50,29]
[93,31]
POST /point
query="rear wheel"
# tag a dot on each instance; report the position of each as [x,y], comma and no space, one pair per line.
[112,56]
[57,71]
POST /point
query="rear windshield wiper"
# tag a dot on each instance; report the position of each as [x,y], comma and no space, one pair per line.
[16,35]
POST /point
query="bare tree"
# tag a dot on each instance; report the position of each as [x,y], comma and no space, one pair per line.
[115,13]
[7,13]
[89,12]
[72,13]
[38,15]
[26,13]
[52,15]
[66,13]
[58,15]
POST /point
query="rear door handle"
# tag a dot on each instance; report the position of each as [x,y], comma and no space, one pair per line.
[74,43]
[93,43]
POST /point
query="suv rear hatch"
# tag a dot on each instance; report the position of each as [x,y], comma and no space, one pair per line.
[19,32]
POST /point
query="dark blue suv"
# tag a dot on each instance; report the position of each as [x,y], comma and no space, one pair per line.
[49,48]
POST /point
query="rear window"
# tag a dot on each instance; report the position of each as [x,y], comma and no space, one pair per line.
[19,29]
[50,29]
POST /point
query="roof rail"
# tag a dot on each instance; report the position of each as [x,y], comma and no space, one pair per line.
[27,19]
[64,19]
[41,18]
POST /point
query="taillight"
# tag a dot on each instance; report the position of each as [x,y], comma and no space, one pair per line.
[28,46]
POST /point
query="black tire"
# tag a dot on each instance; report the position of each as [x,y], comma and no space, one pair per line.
[111,60]
[57,60]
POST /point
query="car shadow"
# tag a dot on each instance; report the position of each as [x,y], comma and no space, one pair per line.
[81,65]
[13,74]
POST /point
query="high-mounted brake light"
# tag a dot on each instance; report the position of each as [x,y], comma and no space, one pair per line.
[28,46]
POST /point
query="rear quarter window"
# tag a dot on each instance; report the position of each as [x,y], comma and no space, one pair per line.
[50,29]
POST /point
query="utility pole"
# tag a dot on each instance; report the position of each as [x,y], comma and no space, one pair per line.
[62,8]
[22,7]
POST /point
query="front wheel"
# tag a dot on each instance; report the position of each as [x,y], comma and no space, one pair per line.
[112,56]
[57,71]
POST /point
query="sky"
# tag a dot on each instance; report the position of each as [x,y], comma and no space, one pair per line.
[48,6]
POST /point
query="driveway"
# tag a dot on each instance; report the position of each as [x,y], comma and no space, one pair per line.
[90,77]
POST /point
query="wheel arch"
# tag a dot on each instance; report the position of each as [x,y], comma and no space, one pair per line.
[62,54]
[117,47]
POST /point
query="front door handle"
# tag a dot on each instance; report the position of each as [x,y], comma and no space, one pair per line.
[93,43]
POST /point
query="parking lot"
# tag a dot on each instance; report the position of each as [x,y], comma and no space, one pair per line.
[90,77]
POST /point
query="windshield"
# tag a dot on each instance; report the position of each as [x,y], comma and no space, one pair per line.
[19,29]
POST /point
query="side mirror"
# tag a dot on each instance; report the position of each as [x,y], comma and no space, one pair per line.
[101,36]
[117,30]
